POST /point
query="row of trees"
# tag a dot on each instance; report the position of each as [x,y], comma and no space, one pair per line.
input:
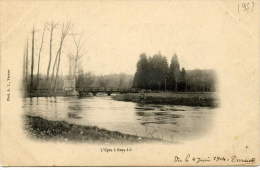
[86,80]
[154,73]
[89,80]
[32,78]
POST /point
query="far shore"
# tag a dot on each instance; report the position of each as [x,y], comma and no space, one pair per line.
[203,99]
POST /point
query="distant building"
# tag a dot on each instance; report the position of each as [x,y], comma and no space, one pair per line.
[69,84]
[70,87]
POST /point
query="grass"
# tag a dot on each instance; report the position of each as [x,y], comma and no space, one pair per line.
[39,128]
[190,99]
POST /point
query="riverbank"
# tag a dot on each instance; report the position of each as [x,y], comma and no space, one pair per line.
[40,128]
[206,99]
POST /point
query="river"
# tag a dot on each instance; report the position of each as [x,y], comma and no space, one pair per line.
[168,122]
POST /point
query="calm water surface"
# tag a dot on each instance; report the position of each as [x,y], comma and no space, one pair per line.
[168,122]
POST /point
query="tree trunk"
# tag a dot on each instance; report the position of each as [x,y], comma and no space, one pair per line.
[53,68]
[57,59]
[24,56]
[24,70]
[26,67]
[26,63]
[57,72]
[50,56]
[32,62]
[39,58]
[64,33]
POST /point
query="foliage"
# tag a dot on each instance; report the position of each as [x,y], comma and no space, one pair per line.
[154,73]
[151,72]
[174,73]
[86,80]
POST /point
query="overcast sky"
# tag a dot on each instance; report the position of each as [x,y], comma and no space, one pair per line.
[114,34]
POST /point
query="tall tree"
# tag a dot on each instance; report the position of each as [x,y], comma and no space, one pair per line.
[64,32]
[25,69]
[77,56]
[24,66]
[26,62]
[182,82]
[39,56]
[151,72]
[54,66]
[158,71]
[32,61]
[52,27]
[174,73]
[140,78]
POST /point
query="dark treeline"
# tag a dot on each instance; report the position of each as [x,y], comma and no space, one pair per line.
[86,80]
[154,73]
[39,83]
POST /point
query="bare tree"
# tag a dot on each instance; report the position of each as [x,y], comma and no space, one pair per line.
[24,56]
[32,61]
[77,56]
[24,68]
[39,56]
[26,64]
[64,32]
[25,61]
[52,27]
[54,66]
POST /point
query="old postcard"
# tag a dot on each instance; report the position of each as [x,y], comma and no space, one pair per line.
[130,83]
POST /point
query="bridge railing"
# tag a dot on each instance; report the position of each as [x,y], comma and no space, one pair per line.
[108,89]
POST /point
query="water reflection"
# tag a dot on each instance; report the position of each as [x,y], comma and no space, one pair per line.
[168,122]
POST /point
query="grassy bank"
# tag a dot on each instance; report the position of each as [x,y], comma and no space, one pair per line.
[40,128]
[189,99]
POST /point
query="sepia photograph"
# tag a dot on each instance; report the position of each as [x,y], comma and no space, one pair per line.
[158,101]
[131,78]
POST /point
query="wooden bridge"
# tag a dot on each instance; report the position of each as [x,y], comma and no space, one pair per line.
[80,91]
[108,91]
